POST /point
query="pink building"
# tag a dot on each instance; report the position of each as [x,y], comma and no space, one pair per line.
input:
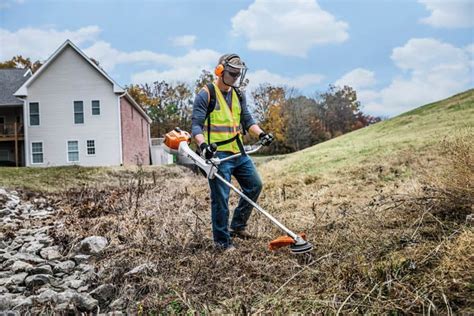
[135,133]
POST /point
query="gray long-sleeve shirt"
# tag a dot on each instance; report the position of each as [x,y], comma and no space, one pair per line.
[200,110]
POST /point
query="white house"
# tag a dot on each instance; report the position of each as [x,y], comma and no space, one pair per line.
[74,113]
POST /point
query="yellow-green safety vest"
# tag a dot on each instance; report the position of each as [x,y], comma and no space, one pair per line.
[225,123]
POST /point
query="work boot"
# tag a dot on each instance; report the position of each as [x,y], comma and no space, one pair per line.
[241,233]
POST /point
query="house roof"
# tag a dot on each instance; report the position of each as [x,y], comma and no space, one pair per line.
[22,91]
[10,80]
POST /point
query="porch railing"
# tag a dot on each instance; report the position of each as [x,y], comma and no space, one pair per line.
[11,130]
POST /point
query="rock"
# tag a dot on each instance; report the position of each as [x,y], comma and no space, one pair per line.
[37,280]
[14,245]
[74,284]
[3,290]
[10,313]
[66,267]
[93,245]
[20,266]
[81,258]
[18,278]
[51,253]
[66,297]
[11,204]
[44,240]
[85,268]
[85,302]
[42,269]
[5,274]
[139,269]
[5,212]
[118,304]
[33,247]
[47,296]
[38,214]
[7,301]
[104,293]
[27,257]
[23,302]
[83,288]
[470,219]
[16,289]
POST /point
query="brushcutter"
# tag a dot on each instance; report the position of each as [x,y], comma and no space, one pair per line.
[177,142]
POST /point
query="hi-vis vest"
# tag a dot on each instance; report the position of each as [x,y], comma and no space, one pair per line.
[225,123]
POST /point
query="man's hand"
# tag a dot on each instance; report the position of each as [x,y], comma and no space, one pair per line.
[208,151]
[265,139]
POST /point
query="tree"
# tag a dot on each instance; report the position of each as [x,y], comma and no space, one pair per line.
[304,126]
[21,62]
[168,105]
[338,109]
[205,78]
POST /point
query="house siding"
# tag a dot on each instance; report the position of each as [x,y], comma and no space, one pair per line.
[135,142]
[67,79]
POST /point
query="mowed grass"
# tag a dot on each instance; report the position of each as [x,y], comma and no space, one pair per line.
[57,179]
[418,131]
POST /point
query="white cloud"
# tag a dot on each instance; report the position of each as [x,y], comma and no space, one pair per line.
[185,40]
[39,44]
[288,27]
[264,76]
[449,14]
[357,79]
[181,74]
[109,57]
[433,70]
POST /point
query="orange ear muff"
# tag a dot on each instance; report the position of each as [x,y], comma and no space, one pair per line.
[219,70]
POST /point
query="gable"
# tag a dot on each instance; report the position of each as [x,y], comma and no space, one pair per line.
[68,49]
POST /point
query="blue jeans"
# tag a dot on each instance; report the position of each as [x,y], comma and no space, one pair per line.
[243,169]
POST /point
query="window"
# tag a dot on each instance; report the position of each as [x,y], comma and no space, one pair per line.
[37,152]
[34,114]
[4,155]
[95,107]
[91,147]
[2,120]
[78,112]
[131,111]
[142,127]
[72,151]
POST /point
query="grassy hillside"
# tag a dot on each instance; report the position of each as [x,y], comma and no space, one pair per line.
[385,207]
[418,130]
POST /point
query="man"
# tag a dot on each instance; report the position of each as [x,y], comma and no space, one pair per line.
[219,134]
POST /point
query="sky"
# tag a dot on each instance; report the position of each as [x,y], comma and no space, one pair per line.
[398,55]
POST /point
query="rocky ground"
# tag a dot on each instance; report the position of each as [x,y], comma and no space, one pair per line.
[36,276]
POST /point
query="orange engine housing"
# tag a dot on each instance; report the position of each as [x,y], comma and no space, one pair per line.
[175,137]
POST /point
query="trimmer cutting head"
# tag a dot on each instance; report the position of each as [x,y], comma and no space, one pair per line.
[303,248]
[296,246]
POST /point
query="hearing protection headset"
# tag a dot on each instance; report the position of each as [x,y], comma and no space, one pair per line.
[219,71]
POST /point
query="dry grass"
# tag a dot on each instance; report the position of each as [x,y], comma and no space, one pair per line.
[383,241]
[384,206]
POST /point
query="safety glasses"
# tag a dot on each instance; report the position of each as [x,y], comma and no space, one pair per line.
[234,74]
